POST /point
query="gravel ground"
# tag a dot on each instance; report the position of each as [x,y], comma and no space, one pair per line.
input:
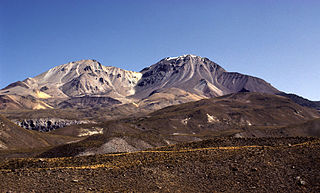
[246,167]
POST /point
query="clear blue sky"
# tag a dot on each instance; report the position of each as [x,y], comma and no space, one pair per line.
[277,40]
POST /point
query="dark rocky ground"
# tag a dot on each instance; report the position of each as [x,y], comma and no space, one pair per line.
[217,165]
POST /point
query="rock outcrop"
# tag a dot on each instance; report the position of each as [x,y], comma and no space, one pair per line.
[47,124]
[14,137]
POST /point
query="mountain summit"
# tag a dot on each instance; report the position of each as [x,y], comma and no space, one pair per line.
[197,75]
[76,79]
[188,75]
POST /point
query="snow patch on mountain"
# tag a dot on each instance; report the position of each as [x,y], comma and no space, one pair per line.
[180,57]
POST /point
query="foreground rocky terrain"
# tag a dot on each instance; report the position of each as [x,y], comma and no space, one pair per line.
[220,165]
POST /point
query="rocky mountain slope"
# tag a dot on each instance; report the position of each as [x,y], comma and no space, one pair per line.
[239,109]
[76,84]
[302,101]
[197,75]
[233,115]
[75,79]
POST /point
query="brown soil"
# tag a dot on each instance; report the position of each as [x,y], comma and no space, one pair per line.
[219,165]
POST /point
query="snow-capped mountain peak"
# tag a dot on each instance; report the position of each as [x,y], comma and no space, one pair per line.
[182,57]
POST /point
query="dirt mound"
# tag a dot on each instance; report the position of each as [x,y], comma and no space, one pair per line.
[118,145]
